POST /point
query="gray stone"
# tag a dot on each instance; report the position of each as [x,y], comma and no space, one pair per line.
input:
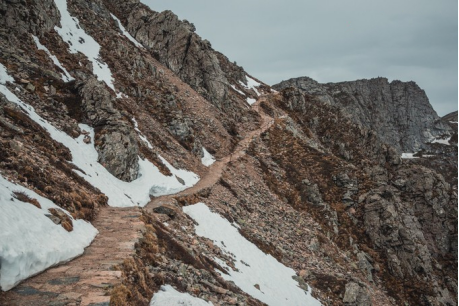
[399,112]
[355,295]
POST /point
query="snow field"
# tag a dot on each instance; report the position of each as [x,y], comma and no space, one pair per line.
[29,241]
[254,267]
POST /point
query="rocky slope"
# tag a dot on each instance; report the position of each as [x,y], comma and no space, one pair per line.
[399,112]
[311,175]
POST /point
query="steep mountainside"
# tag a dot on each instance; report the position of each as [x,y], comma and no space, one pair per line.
[220,189]
[399,112]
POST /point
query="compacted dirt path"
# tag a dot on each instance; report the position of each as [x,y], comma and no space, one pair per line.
[216,169]
[87,280]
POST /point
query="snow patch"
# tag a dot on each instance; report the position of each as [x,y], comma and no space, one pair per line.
[441,141]
[29,241]
[251,84]
[4,76]
[408,155]
[120,193]
[168,296]
[254,267]
[78,41]
[66,77]
[141,136]
[234,87]
[207,159]
[251,101]
[126,33]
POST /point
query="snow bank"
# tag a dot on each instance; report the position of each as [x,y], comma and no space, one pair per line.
[254,267]
[66,77]
[408,155]
[126,33]
[207,159]
[78,41]
[29,241]
[120,194]
[168,296]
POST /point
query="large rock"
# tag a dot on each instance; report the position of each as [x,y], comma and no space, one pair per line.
[175,44]
[356,295]
[399,112]
[34,16]
[115,139]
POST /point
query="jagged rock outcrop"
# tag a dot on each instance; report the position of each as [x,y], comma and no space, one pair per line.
[115,140]
[407,212]
[37,18]
[356,295]
[399,112]
[175,44]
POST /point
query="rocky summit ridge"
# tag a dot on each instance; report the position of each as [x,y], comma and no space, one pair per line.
[400,112]
[124,137]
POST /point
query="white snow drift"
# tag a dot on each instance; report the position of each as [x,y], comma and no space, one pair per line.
[120,194]
[66,77]
[126,33]
[253,266]
[78,41]
[444,141]
[207,159]
[408,155]
[168,296]
[29,241]
[251,84]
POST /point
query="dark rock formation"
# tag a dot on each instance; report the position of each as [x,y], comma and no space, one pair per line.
[399,112]
[115,139]
[175,44]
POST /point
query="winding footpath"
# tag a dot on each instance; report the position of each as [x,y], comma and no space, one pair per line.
[88,279]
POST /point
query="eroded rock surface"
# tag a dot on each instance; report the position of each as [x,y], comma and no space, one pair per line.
[399,112]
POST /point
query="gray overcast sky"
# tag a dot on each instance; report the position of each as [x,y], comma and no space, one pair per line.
[335,40]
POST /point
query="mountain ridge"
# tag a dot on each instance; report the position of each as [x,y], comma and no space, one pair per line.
[300,178]
[399,111]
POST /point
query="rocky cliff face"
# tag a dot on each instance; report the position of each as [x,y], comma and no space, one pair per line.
[316,179]
[399,112]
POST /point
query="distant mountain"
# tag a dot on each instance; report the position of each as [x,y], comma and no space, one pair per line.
[451,117]
[399,112]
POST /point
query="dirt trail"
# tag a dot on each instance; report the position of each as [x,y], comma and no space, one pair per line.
[87,280]
[215,171]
